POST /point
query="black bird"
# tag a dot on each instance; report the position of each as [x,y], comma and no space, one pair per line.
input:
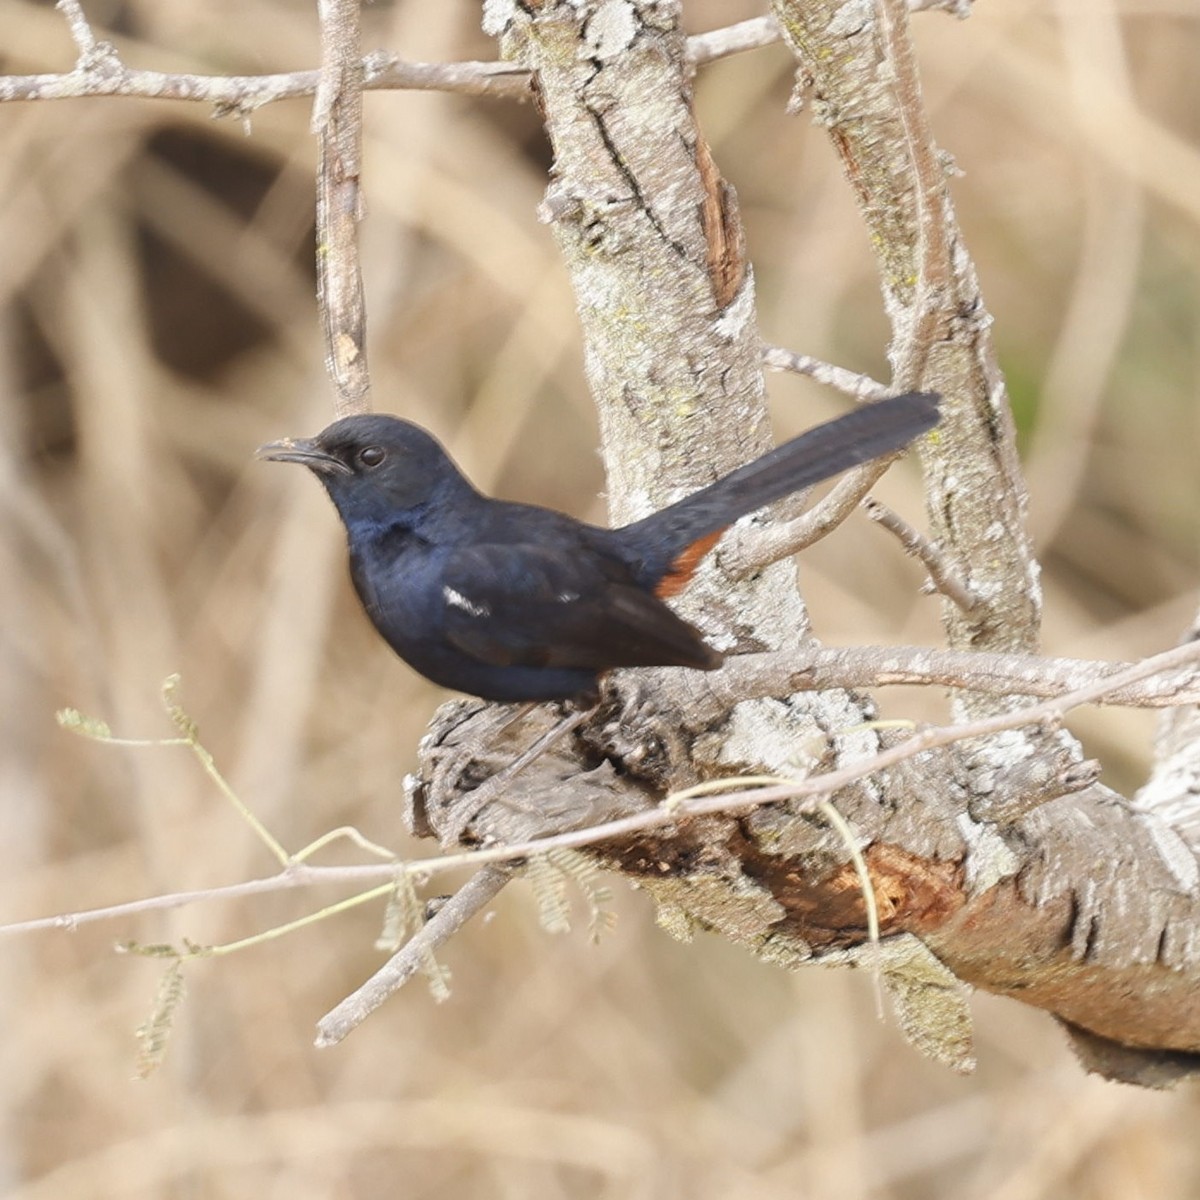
[513,602]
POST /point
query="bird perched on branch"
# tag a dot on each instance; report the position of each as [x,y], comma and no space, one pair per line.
[513,602]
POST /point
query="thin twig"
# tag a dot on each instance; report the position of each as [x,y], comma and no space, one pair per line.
[957,8]
[337,122]
[849,383]
[81,30]
[477,892]
[750,550]
[733,39]
[240,95]
[295,876]
[189,736]
[1167,664]
[993,674]
[919,546]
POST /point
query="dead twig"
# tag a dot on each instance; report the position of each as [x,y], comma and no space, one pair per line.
[941,578]
[414,955]
[337,122]
[240,95]
[81,31]
[849,383]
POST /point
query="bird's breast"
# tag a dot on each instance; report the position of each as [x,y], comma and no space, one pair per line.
[398,579]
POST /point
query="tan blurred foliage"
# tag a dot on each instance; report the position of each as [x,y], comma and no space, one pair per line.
[158,322]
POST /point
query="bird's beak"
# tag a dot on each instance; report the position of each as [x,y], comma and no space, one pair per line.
[304,451]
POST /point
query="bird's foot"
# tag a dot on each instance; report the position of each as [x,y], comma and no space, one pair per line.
[473,760]
[496,786]
[630,729]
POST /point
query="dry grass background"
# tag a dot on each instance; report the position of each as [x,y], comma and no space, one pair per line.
[156,301]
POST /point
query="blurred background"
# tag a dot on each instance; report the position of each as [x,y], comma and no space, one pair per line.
[157,322]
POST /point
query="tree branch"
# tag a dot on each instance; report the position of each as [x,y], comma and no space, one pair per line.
[849,383]
[240,95]
[748,550]
[733,39]
[919,325]
[1111,680]
[81,31]
[866,92]
[474,895]
[817,668]
[917,544]
[337,122]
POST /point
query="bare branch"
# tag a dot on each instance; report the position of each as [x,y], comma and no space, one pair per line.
[733,39]
[919,546]
[749,551]
[296,875]
[975,492]
[337,122]
[499,80]
[958,8]
[1151,681]
[81,31]
[995,674]
[849,383]
[477,892]
[862,668]
[242,94]
[926,318]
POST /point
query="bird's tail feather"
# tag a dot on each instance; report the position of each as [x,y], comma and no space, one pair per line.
[847,441]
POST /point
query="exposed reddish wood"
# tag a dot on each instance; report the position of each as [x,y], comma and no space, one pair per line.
[722,229]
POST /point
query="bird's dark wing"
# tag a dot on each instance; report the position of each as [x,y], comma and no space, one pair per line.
[558,606]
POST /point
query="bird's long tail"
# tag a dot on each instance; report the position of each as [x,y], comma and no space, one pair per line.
[671,542]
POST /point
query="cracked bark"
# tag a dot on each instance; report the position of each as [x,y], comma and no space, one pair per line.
[997,863]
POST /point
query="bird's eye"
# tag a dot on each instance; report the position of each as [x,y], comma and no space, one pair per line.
[372,456]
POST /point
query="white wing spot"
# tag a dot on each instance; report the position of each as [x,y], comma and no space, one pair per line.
[567,597]
[458,600]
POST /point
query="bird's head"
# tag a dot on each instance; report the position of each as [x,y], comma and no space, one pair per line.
[376,468]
